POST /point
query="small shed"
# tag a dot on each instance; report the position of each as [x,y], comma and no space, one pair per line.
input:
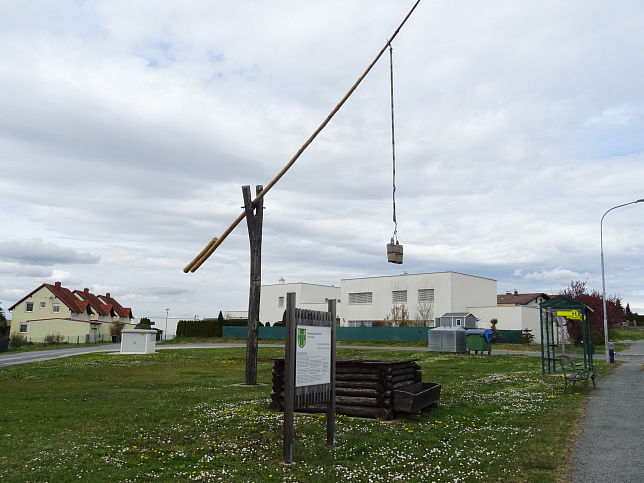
[464,320]
[138,341]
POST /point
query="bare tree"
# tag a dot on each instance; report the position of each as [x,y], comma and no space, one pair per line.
[398,317]
[424,314]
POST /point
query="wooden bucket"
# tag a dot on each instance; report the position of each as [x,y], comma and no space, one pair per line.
[394,252]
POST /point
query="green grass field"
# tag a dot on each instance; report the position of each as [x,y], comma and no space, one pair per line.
[627,333]
[180,415]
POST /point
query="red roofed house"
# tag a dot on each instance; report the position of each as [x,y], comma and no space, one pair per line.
[510,299]
[78,316]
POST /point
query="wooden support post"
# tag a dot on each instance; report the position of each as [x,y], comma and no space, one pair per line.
[254,217]
[289,378]
[330,412]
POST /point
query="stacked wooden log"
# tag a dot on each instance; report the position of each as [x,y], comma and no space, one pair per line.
[363,388]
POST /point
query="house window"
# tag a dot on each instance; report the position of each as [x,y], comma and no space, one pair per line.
[399,296]
[458,322]
[30,307]
[360,298]
[359,323]
[23,328]
[280,301]
[43,304]
[426,295]
[55,308]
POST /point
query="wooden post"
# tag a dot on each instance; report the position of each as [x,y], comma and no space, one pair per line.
[330,411]
[289,378]
[254,217]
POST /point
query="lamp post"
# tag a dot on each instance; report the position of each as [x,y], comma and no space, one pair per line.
[166,323]
[601,241]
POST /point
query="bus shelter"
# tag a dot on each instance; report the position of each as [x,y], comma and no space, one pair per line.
[556,314]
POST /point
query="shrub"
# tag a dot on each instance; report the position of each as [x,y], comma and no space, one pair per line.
[16,340]
[205,327]
[496,335]
[144,323]
[52,339]
[527,337]
[597,336]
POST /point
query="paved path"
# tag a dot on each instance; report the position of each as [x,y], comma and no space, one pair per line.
[610,446]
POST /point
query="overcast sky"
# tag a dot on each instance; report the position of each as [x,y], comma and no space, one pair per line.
[128,129]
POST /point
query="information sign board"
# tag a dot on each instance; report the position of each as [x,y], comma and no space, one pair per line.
[313,355]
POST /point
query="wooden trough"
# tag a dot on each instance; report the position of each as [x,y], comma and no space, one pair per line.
[372,389]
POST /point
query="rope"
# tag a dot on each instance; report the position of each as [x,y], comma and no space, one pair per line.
[393,141]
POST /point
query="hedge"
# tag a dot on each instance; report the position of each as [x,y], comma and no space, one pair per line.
[205,327]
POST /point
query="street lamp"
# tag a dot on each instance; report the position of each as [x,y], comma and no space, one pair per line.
[166,323]
[601,241]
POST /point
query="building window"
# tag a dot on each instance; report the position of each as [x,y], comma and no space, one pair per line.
[399,296]
[23,328]
[30,307]
[280,301]
[426,295]
[359,323]
[458,322]
[55,308]
[360,298]
[43,304]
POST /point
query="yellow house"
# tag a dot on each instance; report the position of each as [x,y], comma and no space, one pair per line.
[77,317]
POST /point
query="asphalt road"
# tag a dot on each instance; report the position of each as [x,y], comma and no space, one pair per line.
[14,358]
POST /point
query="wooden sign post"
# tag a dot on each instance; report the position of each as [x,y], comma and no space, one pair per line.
[254,219]
[309,366]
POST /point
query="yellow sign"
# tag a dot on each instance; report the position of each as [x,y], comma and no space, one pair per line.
[569,314]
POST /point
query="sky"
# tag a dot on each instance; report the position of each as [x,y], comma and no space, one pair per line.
[128,129]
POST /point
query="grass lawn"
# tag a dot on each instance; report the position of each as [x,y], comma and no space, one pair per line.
[627,333]
[181,415]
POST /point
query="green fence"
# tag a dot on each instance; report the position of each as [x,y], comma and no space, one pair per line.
[510,336]
[372,334]
[367,334]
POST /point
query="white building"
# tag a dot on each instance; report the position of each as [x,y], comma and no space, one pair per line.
[513,311]
[424,296]
[307,296]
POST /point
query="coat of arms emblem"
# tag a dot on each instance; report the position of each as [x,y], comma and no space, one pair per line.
[301,338]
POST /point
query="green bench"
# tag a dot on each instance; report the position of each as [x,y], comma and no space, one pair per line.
[575,373]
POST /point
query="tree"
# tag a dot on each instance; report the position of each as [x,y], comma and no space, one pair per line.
[117,328]
[398,317]
[527,337]
[144,323]
[615,313]
[3,324]
[424,313]
[496,335]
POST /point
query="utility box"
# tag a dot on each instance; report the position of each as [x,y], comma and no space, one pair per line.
[138,341]
[446,339]
[479,340]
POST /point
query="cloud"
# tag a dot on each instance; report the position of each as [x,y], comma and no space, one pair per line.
[556,275]
[39,252]
[129,129]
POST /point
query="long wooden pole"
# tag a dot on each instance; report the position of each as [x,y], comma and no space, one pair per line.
[215,242]
[254,219]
